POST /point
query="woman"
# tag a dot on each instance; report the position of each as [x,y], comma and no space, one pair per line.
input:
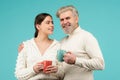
[29,62]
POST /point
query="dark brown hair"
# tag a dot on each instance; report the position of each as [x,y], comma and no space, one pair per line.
[38,20]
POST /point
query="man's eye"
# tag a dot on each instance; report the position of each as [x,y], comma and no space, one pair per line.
[61,19]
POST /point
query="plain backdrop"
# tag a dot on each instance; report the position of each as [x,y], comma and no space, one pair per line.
[100,17]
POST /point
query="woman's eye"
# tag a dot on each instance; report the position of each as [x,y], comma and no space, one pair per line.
[52,22]
[47,22]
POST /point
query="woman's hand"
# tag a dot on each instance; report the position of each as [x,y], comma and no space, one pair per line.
[38,67]
[51,69]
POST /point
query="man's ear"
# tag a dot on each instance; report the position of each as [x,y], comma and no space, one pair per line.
[77,19]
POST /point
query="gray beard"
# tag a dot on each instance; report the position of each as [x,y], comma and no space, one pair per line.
[69,30]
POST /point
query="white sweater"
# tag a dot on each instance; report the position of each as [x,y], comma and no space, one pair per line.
[29,56]
[89,56]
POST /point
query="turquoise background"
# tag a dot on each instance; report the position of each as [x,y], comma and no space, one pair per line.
[100,17]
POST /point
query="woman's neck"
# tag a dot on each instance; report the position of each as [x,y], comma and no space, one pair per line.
[43,42]
[41,38]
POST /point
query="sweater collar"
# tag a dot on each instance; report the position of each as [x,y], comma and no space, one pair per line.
[51,45]
[75,31]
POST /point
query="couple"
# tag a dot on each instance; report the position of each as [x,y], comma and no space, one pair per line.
[83,52]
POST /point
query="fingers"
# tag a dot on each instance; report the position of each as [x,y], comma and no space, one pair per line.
[51,69]
[21,46]
[38,67]
[69,58]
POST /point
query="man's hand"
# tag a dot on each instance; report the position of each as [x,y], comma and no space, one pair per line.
[69,58]
[21,46]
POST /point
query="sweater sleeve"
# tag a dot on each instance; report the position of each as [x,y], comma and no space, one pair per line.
[60,73]
[22,72]
[92,49]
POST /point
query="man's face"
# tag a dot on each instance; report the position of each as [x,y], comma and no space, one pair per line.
[68,21]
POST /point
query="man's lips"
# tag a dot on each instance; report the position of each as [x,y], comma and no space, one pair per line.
[66,25]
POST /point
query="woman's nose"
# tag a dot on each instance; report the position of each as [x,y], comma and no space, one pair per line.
[51,24]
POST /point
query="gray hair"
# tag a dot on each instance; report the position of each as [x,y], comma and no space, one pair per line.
[67,8]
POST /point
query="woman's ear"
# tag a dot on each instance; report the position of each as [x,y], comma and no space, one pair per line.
[37,26]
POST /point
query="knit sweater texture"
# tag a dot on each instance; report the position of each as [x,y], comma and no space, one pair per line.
[88,55]
[30,55]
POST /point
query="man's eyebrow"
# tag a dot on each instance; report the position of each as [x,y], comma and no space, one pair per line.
[67,17]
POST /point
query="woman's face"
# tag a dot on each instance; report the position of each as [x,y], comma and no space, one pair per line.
[47,26]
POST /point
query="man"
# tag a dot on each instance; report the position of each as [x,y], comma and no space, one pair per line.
[83,53]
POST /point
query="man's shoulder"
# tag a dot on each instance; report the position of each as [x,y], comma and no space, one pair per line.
[64,38]
[85,32]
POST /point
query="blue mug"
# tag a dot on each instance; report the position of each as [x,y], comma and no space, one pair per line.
[60,55]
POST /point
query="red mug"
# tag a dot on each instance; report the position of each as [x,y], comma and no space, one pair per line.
[46,63]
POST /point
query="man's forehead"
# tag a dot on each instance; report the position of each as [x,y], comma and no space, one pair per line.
[66,14]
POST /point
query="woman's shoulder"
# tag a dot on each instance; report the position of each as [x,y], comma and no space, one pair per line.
[56,41]
[29,41]
[25,44]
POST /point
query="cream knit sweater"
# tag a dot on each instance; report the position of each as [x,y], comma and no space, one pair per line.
[29,56]
[89,56]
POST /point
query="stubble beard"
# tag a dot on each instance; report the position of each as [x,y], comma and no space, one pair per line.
[68,29]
